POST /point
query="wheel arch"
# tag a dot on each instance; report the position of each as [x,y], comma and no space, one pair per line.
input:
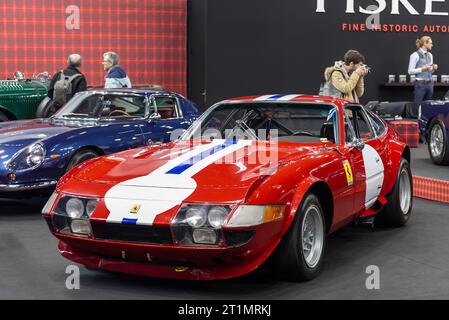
[426,132]
[11,116]
[96,149]
[406,154]
[323,192]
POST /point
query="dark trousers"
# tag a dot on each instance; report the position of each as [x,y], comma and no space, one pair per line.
[423,91]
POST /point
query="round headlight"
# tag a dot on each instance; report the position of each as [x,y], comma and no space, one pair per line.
[196,217]
[36,155]
[217,216]
[91,206]
[74,208]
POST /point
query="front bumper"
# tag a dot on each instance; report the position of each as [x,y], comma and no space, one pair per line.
[180,271]
[24,189]
[171,260]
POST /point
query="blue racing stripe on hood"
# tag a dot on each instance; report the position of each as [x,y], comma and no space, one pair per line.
[192,161]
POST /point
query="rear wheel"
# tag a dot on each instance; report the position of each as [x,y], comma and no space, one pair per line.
[43,110]
[299,257]
[80,157]
[398,209]
[438,143]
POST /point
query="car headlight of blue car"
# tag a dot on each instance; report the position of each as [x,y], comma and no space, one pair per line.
[28,158]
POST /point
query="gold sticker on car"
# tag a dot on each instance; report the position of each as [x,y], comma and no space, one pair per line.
[135,209]
[348,171]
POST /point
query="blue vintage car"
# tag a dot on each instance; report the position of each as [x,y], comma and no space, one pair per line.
[434,126]
[35,154]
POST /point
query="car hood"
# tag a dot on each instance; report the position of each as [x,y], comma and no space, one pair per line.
[22,133]
[215,165]
[157,180]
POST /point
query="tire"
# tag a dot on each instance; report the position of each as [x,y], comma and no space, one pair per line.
[3,117]
[398,210]
[291,261]
[438,143]
[80,157]
[43,108]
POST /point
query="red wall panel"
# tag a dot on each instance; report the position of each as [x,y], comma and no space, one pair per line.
[150,37]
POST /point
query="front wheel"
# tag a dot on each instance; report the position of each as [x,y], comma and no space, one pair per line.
[399,207]
[299,257]
[438,143]
[80,157]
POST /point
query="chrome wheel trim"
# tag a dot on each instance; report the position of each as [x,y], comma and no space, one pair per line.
[312,236]
[405,191]
[436,141]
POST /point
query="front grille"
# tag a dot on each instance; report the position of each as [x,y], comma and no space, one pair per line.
[131,233]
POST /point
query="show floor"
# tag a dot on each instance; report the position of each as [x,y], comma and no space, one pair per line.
[424,167]
[413,262]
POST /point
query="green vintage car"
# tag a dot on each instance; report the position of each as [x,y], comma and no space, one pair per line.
[22,98]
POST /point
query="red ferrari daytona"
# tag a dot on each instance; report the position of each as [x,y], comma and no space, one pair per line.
[255,180]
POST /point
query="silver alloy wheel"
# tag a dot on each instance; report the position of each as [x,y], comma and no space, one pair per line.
[312,236]
[405,191]
[436,141]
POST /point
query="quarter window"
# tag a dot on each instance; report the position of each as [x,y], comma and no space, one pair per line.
[359,122]
[378,125]
[167,107]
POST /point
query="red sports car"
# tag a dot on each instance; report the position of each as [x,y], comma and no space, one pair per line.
[256,179]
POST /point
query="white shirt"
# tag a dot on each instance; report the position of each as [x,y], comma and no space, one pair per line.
[414,58]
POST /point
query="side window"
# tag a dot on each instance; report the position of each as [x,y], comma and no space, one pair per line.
[357,123]
[378,125]
[123,106]
[364,126]
[167,107]
[349,126]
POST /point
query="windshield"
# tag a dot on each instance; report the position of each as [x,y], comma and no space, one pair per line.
[105,106]
[291,122]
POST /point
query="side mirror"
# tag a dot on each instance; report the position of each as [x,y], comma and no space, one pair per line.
[155,117]
[358,144]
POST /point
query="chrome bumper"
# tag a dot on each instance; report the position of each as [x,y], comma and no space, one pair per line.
[27,186]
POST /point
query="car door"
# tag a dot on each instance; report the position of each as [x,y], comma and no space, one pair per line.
[367,157]
[165,118]
[121,116]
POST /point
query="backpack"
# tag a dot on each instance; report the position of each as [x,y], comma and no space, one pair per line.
[327,89]
[63,89]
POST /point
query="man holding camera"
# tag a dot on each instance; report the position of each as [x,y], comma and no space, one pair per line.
[421,64]
[347,77]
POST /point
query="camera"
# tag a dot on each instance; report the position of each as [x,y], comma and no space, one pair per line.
[367,67]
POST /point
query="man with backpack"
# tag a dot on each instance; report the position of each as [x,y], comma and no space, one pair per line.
[346,78]
[65,84]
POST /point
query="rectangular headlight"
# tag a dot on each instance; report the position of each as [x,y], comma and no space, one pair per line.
[249,216]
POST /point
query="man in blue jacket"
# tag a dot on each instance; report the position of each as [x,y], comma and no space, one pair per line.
[116,76]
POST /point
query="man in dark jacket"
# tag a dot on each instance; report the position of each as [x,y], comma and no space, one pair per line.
[77,81]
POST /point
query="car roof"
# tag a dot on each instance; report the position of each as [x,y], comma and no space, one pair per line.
[288,98]
[129,91]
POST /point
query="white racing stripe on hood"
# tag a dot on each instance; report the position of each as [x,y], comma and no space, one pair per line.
[167,187]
